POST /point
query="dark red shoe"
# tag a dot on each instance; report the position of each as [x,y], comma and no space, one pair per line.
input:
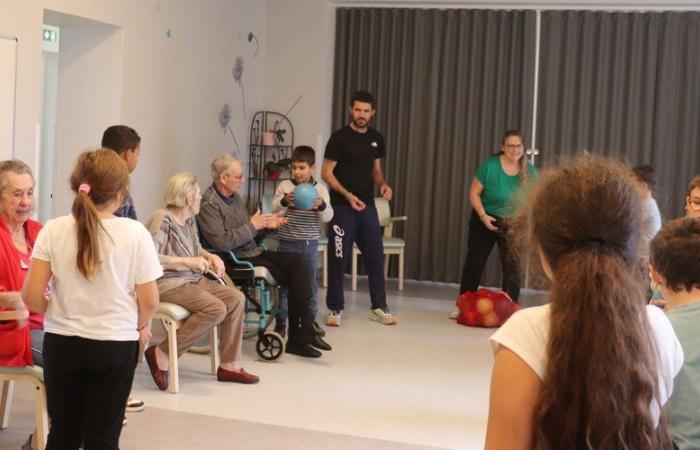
[159,376]
[236,377]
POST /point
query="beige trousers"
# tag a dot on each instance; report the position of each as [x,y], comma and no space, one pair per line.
[210,304]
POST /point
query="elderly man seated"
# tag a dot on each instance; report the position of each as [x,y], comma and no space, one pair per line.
[225,225]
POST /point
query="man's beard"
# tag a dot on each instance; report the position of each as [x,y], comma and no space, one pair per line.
[359,123]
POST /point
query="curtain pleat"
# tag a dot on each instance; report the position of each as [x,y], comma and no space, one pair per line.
[623,84]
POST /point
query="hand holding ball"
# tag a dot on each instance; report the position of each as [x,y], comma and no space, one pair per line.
[304,196]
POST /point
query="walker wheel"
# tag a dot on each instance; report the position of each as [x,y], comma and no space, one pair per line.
[270,346]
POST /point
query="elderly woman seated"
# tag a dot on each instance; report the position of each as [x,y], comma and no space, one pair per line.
[17,235]
[185,262]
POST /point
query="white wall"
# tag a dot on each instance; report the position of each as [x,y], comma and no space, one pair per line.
[172,88]
[299,61]
[89,98]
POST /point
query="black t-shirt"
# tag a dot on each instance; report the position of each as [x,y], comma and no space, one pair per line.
[355,154]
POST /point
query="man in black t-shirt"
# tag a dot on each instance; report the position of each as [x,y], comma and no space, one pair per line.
[351,168]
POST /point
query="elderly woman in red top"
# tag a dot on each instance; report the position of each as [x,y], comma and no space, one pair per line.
[17,235]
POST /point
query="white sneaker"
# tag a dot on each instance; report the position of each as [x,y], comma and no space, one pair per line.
[383,316]
[333,319]
[134,405]
[454,314]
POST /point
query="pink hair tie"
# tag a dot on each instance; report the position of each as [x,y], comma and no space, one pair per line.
[84,188]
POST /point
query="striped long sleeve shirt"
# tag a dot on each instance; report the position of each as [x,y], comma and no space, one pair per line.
[302,225]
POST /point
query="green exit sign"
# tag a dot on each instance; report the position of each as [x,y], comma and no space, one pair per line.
[50,35]
[49,38]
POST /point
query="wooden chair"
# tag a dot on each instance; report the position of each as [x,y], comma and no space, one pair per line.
[392,245]
[172,316]
[30,374]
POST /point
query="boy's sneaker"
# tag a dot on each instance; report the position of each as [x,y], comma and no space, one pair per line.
[318,331]
[134,405]
[333,319]
[383,316]
[305,350]
[455,314]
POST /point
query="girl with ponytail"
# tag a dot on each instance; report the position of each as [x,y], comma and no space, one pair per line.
[593,368]
[103,272]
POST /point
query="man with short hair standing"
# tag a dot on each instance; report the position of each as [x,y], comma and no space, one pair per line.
[351,168]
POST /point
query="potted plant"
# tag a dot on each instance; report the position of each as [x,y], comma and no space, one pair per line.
[273,168]
[274,136]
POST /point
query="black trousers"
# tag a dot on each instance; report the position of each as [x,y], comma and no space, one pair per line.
[290,271]
[480,242]
[87,385]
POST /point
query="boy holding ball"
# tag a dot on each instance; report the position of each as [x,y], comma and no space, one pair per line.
[303,228]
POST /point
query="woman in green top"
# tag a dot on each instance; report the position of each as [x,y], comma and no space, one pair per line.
[493,187]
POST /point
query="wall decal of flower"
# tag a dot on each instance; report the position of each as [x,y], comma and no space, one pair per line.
[225,122]
[251,36]
[238,69]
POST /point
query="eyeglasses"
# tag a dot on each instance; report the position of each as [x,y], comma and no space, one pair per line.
[514,146]
[694,203]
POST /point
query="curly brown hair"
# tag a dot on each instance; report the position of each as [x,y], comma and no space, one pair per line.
[601,373]
[675,253]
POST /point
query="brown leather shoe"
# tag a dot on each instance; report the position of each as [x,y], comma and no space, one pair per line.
[159,376]
[236,377]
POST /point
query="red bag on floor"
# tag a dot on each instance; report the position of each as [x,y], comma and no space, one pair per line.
[15,345]
[485,308]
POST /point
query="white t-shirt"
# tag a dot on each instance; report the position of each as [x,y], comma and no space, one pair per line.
[104,307]
[526,333]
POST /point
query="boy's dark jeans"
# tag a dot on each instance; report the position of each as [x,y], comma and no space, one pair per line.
[309,250]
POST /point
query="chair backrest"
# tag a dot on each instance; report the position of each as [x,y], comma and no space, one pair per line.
[383,211]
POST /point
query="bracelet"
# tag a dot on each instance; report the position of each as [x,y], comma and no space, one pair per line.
[481,217]
[142,327]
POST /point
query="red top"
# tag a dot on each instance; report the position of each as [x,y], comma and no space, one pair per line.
[36,320]
[15,264]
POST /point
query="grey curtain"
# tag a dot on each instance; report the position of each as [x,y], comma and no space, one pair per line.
[624,84]
[448,83]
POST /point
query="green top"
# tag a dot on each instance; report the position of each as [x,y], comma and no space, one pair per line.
[684,405]
[499,187]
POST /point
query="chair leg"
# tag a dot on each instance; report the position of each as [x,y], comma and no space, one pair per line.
[354,270]
[8,387]
[214,349]
[42,418]
[401,270]
[174,386]
[386,265]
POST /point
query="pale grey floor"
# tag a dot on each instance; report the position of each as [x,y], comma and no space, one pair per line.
[423,382]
